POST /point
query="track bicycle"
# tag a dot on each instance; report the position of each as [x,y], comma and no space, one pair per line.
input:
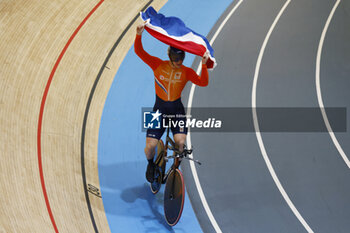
[174,194]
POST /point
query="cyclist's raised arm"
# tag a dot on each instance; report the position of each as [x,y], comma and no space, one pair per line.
[152,61]
[201,80]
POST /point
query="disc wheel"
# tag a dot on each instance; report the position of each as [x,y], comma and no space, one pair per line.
[174,197]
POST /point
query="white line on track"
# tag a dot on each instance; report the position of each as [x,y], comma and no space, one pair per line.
[318,87]
[257,129]
[189,105]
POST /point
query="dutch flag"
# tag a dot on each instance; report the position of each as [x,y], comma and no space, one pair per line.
[173,31]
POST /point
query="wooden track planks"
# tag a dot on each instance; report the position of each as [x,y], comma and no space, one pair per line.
[33,34]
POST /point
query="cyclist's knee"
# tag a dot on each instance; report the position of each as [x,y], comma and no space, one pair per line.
[151,144]
[180,140]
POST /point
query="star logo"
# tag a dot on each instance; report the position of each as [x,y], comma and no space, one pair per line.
[156,115]
[152,120]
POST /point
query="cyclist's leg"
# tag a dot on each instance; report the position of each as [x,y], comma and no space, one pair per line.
[151,144]
[180,130]
[180,139]
[150,147]
[180,133]
[152,138]
[153,135]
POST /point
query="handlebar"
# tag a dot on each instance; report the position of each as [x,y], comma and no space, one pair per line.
[184,154]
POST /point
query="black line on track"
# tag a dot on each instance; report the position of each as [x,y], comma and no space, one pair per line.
[87,109]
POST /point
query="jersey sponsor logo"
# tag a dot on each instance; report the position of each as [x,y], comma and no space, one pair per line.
[175,80]
[177,75]
[164,71]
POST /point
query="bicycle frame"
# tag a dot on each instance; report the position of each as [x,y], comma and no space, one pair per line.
[171,145]
[176,162]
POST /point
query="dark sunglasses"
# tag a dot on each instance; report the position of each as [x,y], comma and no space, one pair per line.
[176,58]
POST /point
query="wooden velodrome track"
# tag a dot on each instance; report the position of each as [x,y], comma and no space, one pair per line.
[58,60]
[51,54]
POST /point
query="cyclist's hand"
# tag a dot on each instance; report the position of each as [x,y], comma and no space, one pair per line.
[140,29]
[205,58]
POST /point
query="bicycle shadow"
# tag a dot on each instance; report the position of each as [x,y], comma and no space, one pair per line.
[125,193]
[155,202]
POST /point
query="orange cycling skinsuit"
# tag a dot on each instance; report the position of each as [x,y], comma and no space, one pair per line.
[169,83]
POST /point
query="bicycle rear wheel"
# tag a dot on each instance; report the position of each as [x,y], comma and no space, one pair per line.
[160,168]
[174,197]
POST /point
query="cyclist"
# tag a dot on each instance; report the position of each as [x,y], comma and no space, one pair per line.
[170,78]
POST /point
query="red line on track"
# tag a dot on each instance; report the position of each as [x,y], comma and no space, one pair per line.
[43,100]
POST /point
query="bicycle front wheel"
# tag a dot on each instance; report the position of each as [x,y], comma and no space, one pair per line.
[174,197]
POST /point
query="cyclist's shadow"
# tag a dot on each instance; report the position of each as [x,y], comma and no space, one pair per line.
[155,203]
